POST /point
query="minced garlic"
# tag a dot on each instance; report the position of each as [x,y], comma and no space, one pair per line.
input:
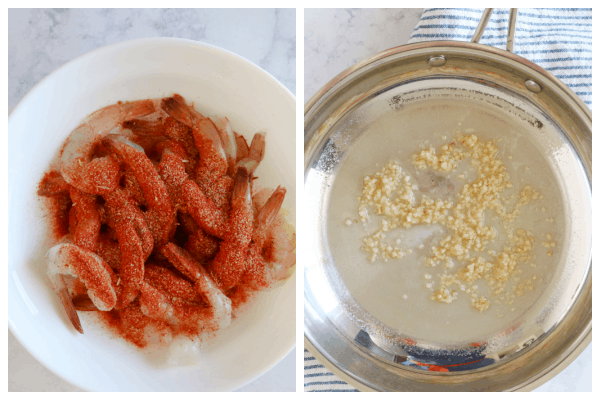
[388,193]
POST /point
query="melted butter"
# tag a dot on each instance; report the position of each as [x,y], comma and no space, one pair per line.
[396,292]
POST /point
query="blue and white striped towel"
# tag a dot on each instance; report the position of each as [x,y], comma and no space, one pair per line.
[318,379]
[557,39]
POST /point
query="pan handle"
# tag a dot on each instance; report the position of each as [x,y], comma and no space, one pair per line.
[512,24]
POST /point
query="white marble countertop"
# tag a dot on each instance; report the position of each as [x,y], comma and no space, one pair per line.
[41,40]
[334,39]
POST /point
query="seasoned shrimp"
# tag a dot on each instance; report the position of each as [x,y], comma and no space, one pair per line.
[200,244]
[159,214]
[217,145]
[154,203]
[156,303]
[211,171]
[172,171]
[205,212]
[96,275]
[99,175]
[87,228]
[53,185]
[271,255]
[228,265]
[131,269]
[160,127]
[206,135]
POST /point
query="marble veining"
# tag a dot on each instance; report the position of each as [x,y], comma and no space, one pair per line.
[335,39]
[41,40]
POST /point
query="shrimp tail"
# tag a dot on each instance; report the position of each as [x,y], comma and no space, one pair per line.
[65,298]
[209,145]
[241,188]
[229,141]
[82,302]
[96,275]
[269,211]
[143,127]
[257,147]
[53,185]
[256,153]
[176,107]
[242,147]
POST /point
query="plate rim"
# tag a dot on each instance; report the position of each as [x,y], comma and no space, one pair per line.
[194,45]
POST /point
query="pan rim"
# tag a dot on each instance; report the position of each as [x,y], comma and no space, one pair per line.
[584,337]
[442,46]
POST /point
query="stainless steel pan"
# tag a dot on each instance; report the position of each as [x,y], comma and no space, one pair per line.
[511,90]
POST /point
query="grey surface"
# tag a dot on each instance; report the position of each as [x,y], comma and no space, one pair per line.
[334,39]
[41,40]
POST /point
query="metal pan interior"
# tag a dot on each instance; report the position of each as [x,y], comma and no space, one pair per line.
[382,310]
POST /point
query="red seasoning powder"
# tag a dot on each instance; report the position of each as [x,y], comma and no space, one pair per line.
[170,197]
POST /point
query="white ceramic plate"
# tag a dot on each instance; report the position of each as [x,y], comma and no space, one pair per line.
[218,82]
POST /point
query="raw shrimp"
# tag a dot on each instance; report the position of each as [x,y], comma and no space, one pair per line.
[271,255]
[87,228]
[161,127]
[242,147]
[217,145]
[172,284]
[255,153]
[96,275]
[156,204]
[211,171]
[229,141]
[172,171]
[159,214]
[99,175]
[206,135]
[228,265]
[160,278]
[124,209]
[53,185]
[204,211]
[200,244]
[131,268]
[157,303]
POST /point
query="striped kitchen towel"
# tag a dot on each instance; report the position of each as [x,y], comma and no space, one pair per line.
[318,379]
[557,39]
